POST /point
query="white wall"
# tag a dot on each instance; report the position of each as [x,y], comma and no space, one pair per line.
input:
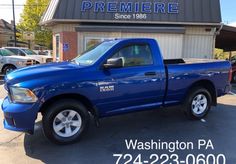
[195,43]
[171,44]
[198,43]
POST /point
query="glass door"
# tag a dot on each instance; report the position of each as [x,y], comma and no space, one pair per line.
[58,55]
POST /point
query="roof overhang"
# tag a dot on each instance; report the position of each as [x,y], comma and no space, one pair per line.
[135,28]
[226,40]
[62,21]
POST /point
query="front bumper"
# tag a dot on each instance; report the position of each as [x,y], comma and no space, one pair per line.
[19,117]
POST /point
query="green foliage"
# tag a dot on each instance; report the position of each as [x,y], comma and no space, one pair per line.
[30,18]
[220,54]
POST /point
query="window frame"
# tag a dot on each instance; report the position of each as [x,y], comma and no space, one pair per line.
[128,45]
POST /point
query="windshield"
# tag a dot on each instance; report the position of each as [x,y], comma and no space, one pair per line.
[29,52]
[92,55]
[4,52]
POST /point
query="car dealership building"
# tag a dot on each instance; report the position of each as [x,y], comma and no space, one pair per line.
[183,28]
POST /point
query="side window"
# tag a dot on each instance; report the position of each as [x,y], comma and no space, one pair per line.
[21,53]
[0,52]
[135,55]
[14,51]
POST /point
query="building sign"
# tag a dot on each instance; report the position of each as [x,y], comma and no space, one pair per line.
[28,35]
[130,10]
[137,11]
[65,47]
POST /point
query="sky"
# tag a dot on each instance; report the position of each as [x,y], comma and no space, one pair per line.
[6,11]
[228,10]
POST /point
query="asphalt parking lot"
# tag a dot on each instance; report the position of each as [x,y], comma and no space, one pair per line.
[99,144]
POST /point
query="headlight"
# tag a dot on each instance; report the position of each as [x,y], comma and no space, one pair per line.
[22,95]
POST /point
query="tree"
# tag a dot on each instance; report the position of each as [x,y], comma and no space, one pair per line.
[30,18]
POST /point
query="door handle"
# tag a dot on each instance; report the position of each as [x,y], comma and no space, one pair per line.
[150,74]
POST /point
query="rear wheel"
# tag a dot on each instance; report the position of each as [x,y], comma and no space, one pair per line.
[7,69]
[198,103]
[65,122]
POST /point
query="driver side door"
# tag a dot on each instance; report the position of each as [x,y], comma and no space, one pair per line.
[134,86]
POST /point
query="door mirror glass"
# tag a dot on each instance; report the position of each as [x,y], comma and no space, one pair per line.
[114,63]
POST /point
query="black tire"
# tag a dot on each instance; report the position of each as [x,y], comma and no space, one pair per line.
[190,109]
[9,68]
[49,119]
[234,77]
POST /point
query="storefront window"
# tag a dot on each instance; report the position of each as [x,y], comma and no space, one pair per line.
[91,42]
[91,56]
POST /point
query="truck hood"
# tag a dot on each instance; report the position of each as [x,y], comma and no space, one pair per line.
[43,71]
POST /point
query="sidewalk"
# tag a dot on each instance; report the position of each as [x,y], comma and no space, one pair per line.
[6,135]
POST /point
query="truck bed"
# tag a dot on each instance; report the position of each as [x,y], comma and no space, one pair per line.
[183,73]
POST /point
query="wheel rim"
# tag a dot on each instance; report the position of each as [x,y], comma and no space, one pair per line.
[199,104]
[8,70]
[67,123]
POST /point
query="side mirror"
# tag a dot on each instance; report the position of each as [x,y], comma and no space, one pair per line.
[114,63]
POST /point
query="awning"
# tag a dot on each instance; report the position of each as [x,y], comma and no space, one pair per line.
[129,28]
[226,40]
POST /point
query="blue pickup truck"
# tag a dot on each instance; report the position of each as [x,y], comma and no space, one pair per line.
[115,77]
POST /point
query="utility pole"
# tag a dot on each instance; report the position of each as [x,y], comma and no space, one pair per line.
[14,22]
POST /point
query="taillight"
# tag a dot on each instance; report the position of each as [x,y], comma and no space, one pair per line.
[230,74]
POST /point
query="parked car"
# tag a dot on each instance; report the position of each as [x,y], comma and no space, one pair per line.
[10,62]
[27,52]
[115,77]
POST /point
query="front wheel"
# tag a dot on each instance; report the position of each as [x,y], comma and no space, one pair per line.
[198,103]
[65,121]
[8,69]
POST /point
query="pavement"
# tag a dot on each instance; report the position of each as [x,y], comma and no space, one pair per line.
[99,144]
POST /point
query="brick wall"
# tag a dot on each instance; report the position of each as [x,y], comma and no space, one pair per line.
[69,38]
